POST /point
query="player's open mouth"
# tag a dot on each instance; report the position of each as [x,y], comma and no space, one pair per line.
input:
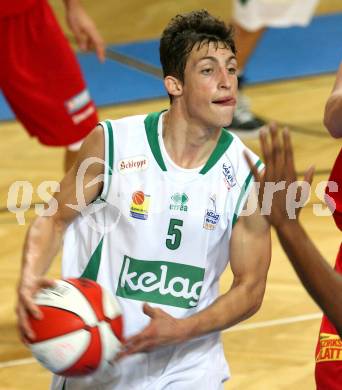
[229,101]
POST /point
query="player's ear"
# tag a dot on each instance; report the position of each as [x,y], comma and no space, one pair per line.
[173,86]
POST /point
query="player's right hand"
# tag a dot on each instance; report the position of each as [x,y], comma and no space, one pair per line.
[27,288]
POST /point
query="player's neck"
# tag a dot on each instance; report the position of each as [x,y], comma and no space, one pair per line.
[187,143]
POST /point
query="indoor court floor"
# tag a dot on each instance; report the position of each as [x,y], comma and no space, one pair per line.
[275,348]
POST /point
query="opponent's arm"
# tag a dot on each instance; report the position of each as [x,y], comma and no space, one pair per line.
[44,236]
[333,108]
[84,29]
[320,280]
[250,253]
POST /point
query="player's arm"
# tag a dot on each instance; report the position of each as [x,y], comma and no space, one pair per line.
[333,108]
[45,234]
[84,29]
[250,253]
[320,280]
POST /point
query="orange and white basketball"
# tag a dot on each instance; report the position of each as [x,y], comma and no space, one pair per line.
[81,329]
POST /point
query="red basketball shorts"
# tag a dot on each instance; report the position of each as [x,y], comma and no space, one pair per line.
[41,78]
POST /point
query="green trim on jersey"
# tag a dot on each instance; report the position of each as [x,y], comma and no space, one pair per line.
[109,157]
[92,268]
[222,145]
[151,127]
[111,145]
[243,192]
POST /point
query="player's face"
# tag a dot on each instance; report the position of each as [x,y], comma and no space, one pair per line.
[210,85]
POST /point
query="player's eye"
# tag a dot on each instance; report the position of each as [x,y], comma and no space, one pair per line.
[207,71]
[232,70]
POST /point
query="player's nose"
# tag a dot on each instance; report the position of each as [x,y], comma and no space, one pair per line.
[225,79]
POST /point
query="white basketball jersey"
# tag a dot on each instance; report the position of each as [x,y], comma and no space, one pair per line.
[159,234]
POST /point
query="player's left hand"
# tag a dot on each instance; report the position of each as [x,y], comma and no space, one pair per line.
[86,34]
[163,329]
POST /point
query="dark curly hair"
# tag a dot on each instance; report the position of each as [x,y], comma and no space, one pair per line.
[183,32]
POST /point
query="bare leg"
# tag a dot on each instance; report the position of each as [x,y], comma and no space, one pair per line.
[69,159]
[245,43]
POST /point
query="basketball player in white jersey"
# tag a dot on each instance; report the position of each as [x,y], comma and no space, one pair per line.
[250,20]
[167,222]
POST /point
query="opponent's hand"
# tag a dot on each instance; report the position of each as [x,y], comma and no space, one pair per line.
[86,34]
[27,288]
[163,329]
[284,204]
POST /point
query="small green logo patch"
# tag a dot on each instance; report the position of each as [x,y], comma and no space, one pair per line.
[179,202]
[161,282]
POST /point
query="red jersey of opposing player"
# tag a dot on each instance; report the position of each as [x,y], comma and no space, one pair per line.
[40,76]
[328,371]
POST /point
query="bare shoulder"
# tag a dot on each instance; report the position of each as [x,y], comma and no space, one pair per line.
[252,222]
[88,166]
[333,108]
[93,145]
[338,82]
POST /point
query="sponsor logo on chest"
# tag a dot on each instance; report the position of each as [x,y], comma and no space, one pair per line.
[162,282]
[179,202]
[140,205]
[228,175]
[133,164]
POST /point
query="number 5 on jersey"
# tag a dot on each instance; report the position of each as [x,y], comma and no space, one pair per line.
[174,233]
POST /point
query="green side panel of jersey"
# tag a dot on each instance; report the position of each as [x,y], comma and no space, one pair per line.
[243,2]
[222,146]
[243,192]
[151,127]
[92,269]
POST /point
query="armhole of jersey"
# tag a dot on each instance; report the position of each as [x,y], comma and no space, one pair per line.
[109,158]
[245,189]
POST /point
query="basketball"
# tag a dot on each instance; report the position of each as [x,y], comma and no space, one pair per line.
[81,328]
[138,197]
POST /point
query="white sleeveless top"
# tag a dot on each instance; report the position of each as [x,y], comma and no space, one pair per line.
[159,233]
